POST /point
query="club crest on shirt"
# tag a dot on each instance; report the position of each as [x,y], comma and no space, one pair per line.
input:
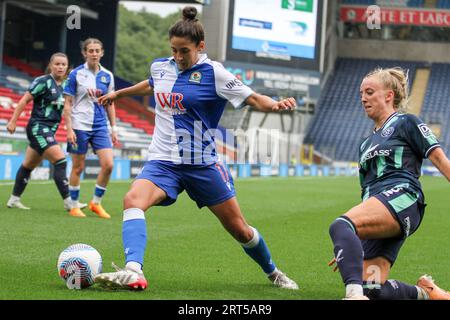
[387,132]
[103,79]
[195,76]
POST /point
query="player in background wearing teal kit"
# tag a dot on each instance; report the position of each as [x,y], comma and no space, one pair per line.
[368,237]
[46,92]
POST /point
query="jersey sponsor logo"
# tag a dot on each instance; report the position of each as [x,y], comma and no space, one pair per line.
[196,77]
[94,93]
[387,132]
[425,131]
[372,154]
[171,102]
[233,83]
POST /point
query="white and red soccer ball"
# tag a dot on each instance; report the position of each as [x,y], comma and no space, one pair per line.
[78,265]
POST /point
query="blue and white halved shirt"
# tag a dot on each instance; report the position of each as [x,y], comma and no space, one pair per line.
[86,87]
[189,105]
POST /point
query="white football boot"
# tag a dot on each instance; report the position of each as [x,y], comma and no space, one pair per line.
[122,279]
[14,202]
[279,279]
[68,206]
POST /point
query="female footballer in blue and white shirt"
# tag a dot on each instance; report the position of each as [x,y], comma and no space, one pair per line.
[87,124]
[191,92]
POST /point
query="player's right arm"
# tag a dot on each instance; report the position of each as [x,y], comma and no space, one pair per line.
[142,88]
[67,114]
[26,98]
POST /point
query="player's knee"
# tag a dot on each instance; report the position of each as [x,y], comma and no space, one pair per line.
[107,168]
[60,168]
[339,225]
[131,200]
[78,169]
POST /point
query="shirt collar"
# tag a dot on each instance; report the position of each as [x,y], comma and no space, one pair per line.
[387,120]
[87,68]
[202,57]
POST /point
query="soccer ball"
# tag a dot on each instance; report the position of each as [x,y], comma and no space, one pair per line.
[78,264]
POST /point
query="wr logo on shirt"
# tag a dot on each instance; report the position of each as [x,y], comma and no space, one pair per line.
[170,100]
[94,93]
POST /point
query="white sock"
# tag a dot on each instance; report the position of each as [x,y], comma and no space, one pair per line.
[97,200]
[68,202]
[14,198]
[352,290]
[135,266]
[421,294]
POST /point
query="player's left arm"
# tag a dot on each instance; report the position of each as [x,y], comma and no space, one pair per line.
[111,110]
[440,161]
[264,103]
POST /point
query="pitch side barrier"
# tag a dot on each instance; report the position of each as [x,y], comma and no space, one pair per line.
[125,169]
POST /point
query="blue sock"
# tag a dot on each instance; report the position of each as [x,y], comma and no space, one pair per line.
[259,252]
[134,235]
[391,290]
[74,192]
[348,250]
[98,193]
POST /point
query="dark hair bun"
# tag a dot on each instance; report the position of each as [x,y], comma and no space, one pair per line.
[189,13]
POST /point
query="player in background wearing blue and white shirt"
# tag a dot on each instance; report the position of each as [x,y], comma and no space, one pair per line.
[368,237]
[191,92]
[87,123]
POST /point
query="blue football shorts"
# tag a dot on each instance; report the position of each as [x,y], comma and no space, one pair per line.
[407,207]
[98,139]
[207,185]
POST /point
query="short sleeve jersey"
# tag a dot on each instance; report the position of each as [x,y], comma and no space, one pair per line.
[86,87]
[189,105]
[48,101]
[392,156]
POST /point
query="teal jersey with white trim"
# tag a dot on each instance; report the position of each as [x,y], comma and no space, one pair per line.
[48,101]
[392,156]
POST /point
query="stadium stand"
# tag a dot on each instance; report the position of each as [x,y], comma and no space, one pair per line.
[134,121]
[340,122]
[436,107]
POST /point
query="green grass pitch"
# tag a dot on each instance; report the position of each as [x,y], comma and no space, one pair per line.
[190,256]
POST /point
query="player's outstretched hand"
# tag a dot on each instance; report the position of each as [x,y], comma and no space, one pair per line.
[114,138]
[285,104]
[330,264]
[11,127]
[107,99]
[72,137]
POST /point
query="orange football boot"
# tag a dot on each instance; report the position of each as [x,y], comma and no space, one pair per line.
[98,210]
[76,212]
